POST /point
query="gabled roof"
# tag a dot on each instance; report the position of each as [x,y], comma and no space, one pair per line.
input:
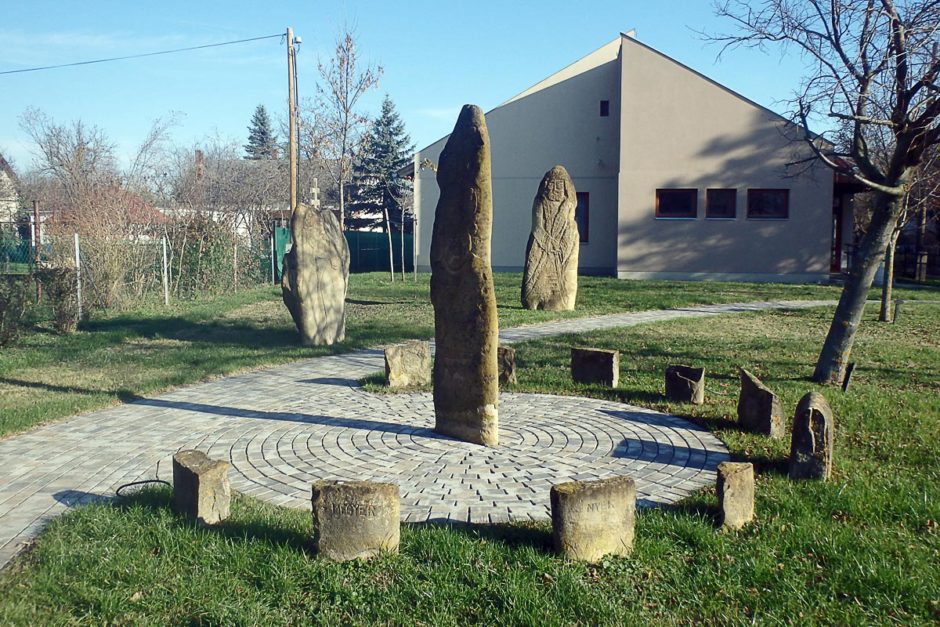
[5,168]
[610,52]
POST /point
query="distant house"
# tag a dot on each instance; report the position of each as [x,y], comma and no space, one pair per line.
[9,200]
[677,176]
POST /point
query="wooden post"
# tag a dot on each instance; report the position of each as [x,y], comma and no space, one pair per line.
[292,115]
[78,276]
[166,278]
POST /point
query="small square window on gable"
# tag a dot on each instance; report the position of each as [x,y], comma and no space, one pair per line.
[605,108]
[721,204]
[676,203]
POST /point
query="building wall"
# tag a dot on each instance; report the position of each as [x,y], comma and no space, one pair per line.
[681,130]
[8,198]
[557,121]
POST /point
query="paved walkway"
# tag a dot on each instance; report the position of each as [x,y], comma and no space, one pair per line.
[284,427]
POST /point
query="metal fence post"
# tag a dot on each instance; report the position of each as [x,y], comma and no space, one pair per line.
[235,266]
[78,276]
[273,262]
[166,278]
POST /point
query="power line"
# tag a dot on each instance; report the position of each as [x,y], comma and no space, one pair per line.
[138,56]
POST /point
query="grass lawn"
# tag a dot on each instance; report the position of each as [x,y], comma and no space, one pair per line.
[118,356]
[863,548]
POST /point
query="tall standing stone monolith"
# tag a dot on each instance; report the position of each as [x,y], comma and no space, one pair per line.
[466,331]
[550,279]
[316,273]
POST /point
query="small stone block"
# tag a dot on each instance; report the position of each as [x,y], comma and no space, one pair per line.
[408,364]
[506,358]
[812,440]
[685,384]
[735,494]
[355,519]
[759,409]
[591,519]
[201,489]
[595,365]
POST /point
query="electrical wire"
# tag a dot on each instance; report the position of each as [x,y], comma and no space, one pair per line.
[138,56]
[144,482]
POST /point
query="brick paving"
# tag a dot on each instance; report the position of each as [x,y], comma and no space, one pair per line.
[285,427]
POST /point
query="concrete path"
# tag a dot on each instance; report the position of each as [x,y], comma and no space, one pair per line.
[284,427]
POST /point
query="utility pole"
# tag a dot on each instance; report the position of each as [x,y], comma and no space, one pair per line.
[292,114]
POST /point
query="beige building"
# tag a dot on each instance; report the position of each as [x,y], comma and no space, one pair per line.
[678,177]
[9,201]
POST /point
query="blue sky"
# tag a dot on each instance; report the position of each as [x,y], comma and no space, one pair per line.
[436,56]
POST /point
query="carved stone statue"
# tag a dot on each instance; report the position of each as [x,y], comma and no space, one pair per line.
[550,280]
[466,331]
[316,275]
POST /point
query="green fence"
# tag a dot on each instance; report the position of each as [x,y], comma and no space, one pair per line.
[368,251]
[16,251]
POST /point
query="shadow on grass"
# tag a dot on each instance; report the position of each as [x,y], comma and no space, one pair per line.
[161,499]
[125,396]
[506,534]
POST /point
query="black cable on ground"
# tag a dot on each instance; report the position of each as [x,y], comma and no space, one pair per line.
[144,482]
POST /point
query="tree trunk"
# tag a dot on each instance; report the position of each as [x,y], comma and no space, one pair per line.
[342,207]
[920,255]
[834,357]
[888,283]
[388,233]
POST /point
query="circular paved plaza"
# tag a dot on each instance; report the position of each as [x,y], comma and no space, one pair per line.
[285,427]
[544,440]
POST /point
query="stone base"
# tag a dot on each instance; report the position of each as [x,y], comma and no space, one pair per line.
[506,364]
[408,364]
[735,494]
[595,365]
[759,409]
[812,440]
[201,489]
[355,519]
[591,519]
[685,384]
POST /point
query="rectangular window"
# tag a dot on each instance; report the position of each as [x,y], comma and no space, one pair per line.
[581,215]
[676,203]
[605,108]
[768,204]
[721,203]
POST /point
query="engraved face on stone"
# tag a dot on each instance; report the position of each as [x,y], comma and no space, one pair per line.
[555,189]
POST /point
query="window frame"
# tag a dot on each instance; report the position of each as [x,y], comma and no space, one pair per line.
[751,192]
[692,192]
[732,191]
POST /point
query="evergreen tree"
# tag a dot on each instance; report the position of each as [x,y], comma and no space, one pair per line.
[378,186]
[262,142]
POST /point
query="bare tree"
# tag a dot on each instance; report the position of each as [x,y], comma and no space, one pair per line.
[873,68]
[344,80]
